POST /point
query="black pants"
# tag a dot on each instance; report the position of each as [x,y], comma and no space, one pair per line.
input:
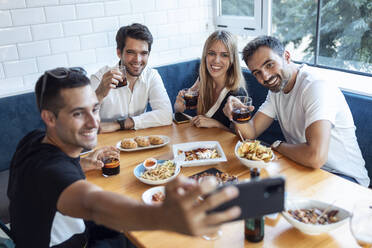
[103,237]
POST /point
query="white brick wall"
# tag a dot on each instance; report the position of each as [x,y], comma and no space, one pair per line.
[12,4]
[33,49]
[89,10]
[60,13]
[14,35]
[105,24]
[65,44]
[27,16]
[20,67]
[117,8]
[5,19]
[37,35]
[8,53]
[46,31]
[1,72]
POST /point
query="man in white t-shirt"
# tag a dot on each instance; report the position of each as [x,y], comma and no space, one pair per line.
[312,112]
[124,98]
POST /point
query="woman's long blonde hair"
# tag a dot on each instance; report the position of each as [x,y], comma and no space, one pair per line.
[234,77]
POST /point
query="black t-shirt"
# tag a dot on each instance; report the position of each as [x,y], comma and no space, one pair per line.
[39,173]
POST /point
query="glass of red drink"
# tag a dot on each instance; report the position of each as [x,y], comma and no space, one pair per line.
[124,77]
[111,166]
[241,112]
[191,98]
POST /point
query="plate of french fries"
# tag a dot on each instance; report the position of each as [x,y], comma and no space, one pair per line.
[253,154]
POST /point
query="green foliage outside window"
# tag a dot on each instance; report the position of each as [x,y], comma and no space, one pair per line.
[237,7]
[345,31]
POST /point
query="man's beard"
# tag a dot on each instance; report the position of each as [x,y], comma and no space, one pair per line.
[283,82]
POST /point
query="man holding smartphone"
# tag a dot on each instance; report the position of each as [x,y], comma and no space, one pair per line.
[124,94]
[51,203]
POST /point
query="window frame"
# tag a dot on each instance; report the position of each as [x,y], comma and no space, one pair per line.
[252,26]
[262,25]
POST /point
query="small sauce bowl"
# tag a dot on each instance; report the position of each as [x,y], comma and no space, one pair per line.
[150,163]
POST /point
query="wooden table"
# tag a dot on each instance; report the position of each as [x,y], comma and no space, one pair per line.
[300,182]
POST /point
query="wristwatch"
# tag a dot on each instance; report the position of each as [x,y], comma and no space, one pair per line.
[121,122]
[276,144]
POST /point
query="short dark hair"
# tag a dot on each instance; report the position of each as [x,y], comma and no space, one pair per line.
[135,31]
[263,40]
[51,98]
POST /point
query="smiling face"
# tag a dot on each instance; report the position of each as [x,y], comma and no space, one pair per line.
[77,123]
[270,69]
[134,56]
[218,60]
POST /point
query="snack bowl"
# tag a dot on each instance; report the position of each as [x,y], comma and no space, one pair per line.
[140,169]
[251,163]
[147,196]
[314,229]
[150,163]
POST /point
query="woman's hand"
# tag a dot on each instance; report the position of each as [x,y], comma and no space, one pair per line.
[179,105]
[202,121]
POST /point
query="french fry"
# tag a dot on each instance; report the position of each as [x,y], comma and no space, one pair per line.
[253,150]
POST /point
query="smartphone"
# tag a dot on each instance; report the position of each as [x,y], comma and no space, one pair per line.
[257,197]
[180,118]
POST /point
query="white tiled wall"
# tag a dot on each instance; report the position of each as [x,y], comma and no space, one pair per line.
[37,35]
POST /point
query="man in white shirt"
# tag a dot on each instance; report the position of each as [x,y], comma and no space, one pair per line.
[124,107]
[312,112]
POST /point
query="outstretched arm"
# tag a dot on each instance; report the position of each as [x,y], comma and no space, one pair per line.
[313,153]
[180,212]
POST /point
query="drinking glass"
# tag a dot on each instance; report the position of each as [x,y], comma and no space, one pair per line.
[123,71]
[218,234]
[242,114]
[191,98]
[360,223]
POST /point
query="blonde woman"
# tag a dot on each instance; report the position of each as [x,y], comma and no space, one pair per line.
[219,77]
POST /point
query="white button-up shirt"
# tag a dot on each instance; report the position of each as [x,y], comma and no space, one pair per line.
[122,102]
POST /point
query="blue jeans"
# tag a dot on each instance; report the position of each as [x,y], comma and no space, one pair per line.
[351,179]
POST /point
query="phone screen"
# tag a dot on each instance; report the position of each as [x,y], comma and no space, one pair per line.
[257,198]
[180,118]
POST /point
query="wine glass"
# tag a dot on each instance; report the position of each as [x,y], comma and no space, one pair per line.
[360,223]
[242,114]
[218,234]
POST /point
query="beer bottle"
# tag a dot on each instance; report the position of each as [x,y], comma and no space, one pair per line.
[254,227]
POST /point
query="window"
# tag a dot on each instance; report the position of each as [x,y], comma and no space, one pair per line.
[241,16]
[338,35]
[325,33]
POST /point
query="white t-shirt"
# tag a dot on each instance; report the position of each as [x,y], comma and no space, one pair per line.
[314,98]
[122,102]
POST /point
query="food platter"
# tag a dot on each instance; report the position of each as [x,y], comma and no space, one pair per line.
[139,170]
[166,140]
[252,163]
[212,148]
[222,177]
[147,196]
[314,229]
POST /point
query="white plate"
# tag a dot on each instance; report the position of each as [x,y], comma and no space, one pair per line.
[147,195]
[180,158]
[165,138]
[251,163]
[141,169]
[313,229]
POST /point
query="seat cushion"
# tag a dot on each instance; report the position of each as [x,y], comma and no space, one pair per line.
[4,201]
[19,115]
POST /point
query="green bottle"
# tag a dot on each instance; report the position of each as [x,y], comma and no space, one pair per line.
[254,228]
